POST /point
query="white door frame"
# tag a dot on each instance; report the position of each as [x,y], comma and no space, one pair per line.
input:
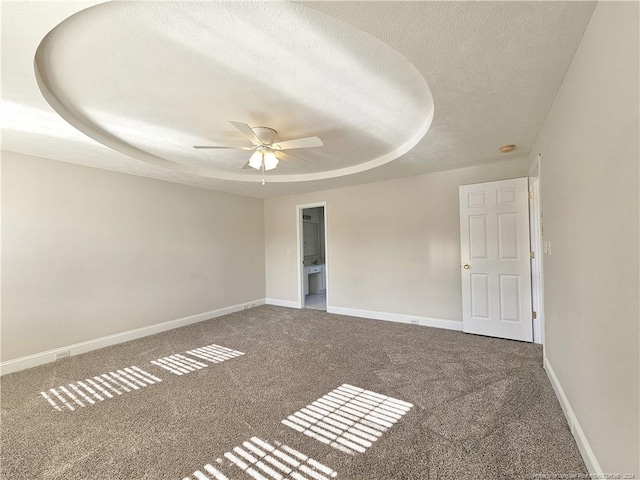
[537,284]
[300,238]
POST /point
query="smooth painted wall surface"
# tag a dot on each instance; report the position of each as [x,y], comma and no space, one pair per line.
[589,178]
[88,253]
[392,246]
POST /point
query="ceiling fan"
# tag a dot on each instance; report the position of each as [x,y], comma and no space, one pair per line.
[266,152]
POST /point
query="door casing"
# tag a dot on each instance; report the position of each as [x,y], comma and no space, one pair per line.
[537,287]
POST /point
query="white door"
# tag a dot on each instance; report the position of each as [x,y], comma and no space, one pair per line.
[496,281]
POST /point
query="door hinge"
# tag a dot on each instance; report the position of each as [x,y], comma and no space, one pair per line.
[532,255]
[530,195]
[534,315]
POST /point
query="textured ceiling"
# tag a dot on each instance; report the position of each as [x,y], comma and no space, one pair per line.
[150,79]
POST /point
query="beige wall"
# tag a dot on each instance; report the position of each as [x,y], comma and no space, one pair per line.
[392,246]
[88,253]
[589,178]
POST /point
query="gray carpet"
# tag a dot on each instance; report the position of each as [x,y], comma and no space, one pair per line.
[482,407]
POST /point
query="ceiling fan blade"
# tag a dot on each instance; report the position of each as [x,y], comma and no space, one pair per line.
[299,143]
[221,147]
[289,156]
[246,165]
[247,132]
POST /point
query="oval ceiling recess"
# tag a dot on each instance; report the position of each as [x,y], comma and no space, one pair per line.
[152,79]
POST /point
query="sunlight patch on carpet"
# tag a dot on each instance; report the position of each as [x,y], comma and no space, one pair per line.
[97,389]
[215,353]
[260,460]
[180,364]
[348,418]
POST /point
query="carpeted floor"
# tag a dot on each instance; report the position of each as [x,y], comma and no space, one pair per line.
[482,408]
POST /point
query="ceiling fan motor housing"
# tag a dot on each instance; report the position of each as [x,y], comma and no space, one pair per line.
[265,134]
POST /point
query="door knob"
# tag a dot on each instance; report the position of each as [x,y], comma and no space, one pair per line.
[466,266]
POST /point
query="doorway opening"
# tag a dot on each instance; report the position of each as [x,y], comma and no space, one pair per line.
[313,278]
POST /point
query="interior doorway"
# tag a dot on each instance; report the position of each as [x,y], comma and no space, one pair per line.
[313,255]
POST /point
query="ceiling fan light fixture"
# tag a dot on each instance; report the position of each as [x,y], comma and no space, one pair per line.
[270,160]
[263,155]
[256,159]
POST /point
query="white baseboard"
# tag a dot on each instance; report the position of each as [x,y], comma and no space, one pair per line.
[398,317]
[588,456]
[283,303]
[41,358]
